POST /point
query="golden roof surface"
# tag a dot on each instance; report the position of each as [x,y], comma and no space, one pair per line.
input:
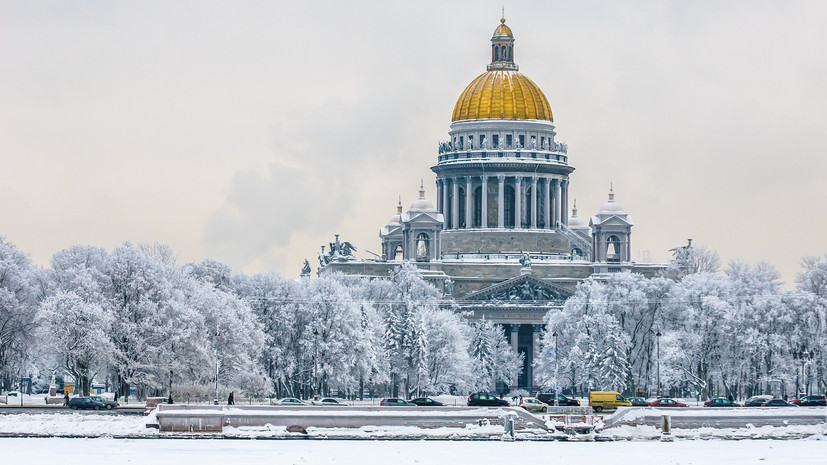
[502,94]
[503,30]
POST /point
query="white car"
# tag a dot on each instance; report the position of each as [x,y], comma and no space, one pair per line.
[330,401]
[287,401]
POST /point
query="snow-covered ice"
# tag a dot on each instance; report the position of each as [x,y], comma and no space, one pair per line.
[209,452]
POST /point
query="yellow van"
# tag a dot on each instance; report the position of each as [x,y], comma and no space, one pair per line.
[600,400]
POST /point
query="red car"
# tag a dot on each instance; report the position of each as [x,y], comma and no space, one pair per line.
[667,403]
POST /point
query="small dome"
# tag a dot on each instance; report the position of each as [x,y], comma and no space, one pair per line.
[611,206]
[396,219]
[503,30]
[422,204]
[574,221]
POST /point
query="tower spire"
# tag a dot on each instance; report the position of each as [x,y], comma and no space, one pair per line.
[611,192]
[502,47]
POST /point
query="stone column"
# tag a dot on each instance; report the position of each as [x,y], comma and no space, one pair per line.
[518,204]
[515,337]
[484,201]
[556,200]
[547,204]
[565,202]
[455,205]
[444,204]
[469,205]
[534,202]
[501,202]
[439,195]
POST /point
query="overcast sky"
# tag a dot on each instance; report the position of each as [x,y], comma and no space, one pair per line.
[250,132]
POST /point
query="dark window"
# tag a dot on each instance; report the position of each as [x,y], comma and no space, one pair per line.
[522,141]
[508,208]
[461,142]
[509,141]
[461,208]
[478,207]
[496,140]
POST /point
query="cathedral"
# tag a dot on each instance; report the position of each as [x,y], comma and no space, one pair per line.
[499,240]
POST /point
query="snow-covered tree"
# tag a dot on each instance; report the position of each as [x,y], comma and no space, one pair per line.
[494,360]
[18,311]
[76,334]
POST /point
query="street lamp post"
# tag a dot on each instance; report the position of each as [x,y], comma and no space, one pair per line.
[556,372]
[215,392]
[657,336]
[315,343]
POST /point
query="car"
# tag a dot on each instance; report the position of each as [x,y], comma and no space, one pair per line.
[667,402]
[426,402]
[484,399]
[395,402]
[811,401]
[639,402]
[533,405]
[548,398]
[600,400]
[721,402]
[85,403]
[329,401]
[289,401]
[108,404]
[777,403]
[757,401]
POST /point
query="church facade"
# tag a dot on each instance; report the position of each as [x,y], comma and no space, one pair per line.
[498,240]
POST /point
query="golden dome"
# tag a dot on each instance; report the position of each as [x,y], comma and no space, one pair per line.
[502,94]
[503,30]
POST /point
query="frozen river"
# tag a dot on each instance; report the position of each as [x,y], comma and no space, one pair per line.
[245,452]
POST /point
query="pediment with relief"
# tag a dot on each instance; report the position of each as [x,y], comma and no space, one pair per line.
[524,288]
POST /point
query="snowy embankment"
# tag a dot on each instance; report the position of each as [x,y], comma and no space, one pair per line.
[76,424]
[703,423]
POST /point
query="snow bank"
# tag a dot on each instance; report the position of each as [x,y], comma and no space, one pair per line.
[56,424]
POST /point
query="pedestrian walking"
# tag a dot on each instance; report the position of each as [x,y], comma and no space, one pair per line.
[66,400]
[169,399]
[116,396]
[230,400]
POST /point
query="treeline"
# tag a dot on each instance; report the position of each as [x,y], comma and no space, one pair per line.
[133,319]
[731,333]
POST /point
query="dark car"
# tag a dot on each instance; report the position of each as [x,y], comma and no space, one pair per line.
[639,401]
[811,401]
[777,403]
[85,403]
[757,401]
[394,402]
[483,399]
[548,398]
[426,402]
[109,404]
[666,402]
[721,402]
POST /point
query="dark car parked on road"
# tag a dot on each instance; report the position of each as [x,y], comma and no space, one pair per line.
[721,402]
[639,401]
[548,398]
[109,404]
[482,399]
[394,402]
[777,403]
[666,402]
[426,402]
[757,401]
[811,401]
[85,403]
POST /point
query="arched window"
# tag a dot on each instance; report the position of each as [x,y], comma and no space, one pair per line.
[462,208]
[496,53]
[423,247]
[613,249]
[510,57]
[478,207]
[397,253]
[509,207]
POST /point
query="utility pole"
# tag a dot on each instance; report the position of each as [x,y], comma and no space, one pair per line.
[315,344]
[215,393]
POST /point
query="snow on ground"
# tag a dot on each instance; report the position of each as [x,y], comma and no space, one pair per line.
[644,432]
[61,424]
[219,452]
